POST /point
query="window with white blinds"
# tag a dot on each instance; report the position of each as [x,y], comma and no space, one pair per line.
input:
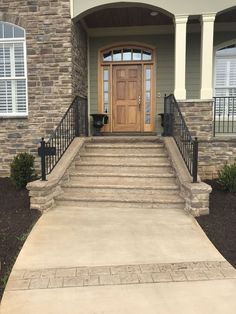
[225,72]
[13,80]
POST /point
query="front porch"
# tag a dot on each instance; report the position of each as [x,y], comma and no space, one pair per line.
[178,52]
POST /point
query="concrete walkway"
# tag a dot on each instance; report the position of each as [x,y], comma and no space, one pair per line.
[119,261]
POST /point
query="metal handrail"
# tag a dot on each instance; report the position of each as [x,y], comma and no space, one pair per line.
[175,125]
[73,123]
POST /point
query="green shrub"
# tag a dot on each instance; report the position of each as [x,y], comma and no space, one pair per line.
[227,177]
[22,170]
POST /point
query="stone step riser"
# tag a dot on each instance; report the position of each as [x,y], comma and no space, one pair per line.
[120,192]
[126,154]
[123,181]
[126,160]
[109,204]
[121,195]
[125,151]
[126,140]
[123,169]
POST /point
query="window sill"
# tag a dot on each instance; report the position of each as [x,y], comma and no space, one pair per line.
[13,116]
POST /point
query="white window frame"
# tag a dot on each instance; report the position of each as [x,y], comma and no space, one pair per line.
[226,87]
[16,40]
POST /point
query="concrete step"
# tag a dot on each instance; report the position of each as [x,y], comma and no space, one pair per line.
[126,139]
[121,179]
[124,150]
[125,160]
[127,154]
[101,201]
[122,194]
[118,145]
[119,167]
[120,190]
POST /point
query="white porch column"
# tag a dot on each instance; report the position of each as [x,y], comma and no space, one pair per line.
[207,56]
[180,56]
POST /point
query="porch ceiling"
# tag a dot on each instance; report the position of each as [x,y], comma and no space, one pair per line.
[139,16]
[228,16]
[119,17]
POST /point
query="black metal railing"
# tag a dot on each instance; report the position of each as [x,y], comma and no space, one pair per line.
[74,123]
[224,115]
[174,125]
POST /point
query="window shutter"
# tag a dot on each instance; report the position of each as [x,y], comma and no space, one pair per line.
[19,60]
[221,72]
[6,96]
[20,96]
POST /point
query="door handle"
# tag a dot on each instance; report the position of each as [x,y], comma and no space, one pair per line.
[139,102]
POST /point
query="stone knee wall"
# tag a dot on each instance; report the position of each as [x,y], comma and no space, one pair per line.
[198,116]
[214,152]
[54,67]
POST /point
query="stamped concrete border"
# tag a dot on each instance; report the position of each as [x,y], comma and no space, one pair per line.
[196,195]
[119,275]
[42,193]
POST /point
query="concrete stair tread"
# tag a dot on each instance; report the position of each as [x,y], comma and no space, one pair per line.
[128,169]
[120,164]
[123,155]
[120,196]
[121,175]
[126,146]
[126,138]
[116,186]
[73,198]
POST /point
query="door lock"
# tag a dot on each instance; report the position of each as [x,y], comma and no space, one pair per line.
[139,102]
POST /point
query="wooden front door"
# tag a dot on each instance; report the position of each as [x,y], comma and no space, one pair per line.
[126,98]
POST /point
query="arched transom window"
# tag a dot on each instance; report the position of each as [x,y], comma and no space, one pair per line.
[13,79]
[126,54]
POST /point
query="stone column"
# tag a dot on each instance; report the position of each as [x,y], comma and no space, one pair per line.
[207,22]
[180,56]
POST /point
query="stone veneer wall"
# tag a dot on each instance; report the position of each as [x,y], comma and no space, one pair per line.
[79,61]
[54,68]
[214,152]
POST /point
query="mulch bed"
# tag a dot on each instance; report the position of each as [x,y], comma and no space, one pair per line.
[220,225]
[16,221]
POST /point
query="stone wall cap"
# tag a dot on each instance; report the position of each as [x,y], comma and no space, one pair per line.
[196,100]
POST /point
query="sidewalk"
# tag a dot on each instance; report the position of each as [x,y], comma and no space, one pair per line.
[119,261]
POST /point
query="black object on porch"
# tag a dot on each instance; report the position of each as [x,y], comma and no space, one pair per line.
[175,125]
[74,123]
[99,119]
[224,115]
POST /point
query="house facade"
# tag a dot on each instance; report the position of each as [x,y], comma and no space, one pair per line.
[124,57]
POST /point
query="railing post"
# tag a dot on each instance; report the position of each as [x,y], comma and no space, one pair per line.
[195,159]
[77,118]
[86,117]
[214,122]
[168,116]
[43,159]
[165,122]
